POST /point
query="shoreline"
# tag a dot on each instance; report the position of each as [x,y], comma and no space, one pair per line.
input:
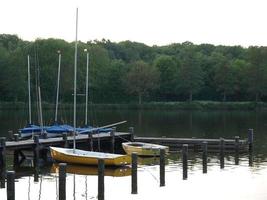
[194,105]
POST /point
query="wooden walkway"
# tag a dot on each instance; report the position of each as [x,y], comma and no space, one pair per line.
[196,143]
[59,141]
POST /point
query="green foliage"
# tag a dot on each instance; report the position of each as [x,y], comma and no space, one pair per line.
[127,71]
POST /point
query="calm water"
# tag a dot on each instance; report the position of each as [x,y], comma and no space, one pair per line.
[233,182]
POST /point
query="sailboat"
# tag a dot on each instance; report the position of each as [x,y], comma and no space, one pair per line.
[77,156]
[58,129]
[30,129]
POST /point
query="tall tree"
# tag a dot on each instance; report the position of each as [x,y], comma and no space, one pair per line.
[141,78]
[168,69]
[190,76]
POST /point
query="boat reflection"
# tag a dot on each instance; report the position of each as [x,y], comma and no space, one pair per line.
[93,170]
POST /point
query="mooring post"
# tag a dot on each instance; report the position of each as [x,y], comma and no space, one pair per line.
[3,152]
[101,180]
[112,134]
[134,173]
[98,141]
[16,137]
[36,150]
[16,158]
[2,178]
[65,140]
[222,152]
[185,160]
[236,150]
[131,131]
[10,185]
[62,181]
[250,139]
[205,156]
[162,167]
[36,174]
[91,141]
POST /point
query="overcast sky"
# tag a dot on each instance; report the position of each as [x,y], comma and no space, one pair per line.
[153,22]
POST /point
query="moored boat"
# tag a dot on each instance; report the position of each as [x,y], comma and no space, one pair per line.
[88,157]
[143,149]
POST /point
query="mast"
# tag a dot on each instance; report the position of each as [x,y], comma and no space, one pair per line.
[86,87]
[75,80]
[58,77]
[29,91]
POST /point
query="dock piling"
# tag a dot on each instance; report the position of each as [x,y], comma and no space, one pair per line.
[112,134]
[185,160]
[250,139]
[10,185]
[36,174]
[222,153]
[62,181]
[162,167]
[3,152]
[134,173]
[131,131]
[101,180]
[91,141]
[205,156]
[98,142]
[65,140]
[236,150]
[36,150]
[16,137]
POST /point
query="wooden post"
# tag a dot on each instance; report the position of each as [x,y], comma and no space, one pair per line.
[2,162]
[36,150]
[162,167]
[101,180]
[62,181]
[65,139]
[36,174]
[16,137]
[16,158]
[3,152]
[221,153]
[98,142]
[250,139]
[2,178]
[134,173]
[250,158]
[10,185]
[10,134]
[236,150]
[112,134]
[131,131]
[90,136]
[205,156]
[185,158]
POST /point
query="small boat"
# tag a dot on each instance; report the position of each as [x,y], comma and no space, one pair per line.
[143,149]
[88,157]
[58,130]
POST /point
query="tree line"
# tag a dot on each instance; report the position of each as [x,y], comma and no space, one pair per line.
[127,72]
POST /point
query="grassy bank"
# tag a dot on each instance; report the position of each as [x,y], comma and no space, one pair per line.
[195,105]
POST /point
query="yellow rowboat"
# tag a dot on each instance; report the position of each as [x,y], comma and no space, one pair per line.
[143,149]
[88,157]
[93,170]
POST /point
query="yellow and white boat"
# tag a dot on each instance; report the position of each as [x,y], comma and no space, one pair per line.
[88,157]
[143,149]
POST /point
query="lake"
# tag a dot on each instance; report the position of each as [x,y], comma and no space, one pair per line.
[233,182]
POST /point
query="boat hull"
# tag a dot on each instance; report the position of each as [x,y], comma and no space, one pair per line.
[143,149]
[88,157]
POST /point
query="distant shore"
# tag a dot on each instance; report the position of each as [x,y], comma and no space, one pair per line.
[194,105]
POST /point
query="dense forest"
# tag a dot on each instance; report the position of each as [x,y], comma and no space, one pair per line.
[128,72]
